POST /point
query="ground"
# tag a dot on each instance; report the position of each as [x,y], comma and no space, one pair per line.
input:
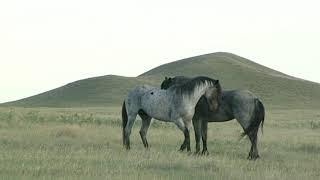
[85,143]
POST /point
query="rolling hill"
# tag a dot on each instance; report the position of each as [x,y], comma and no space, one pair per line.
[276,89]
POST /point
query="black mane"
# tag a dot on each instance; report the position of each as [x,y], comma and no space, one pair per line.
[188,85]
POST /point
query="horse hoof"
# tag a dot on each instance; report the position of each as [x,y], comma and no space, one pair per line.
[253,157]
[205,153]
[182,148]
[256,157]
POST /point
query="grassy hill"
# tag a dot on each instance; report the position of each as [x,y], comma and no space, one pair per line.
[274,88]
[92,92]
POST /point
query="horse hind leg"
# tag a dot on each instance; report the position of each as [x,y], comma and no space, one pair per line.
[250,127]
[253,136]
[252,132]
[128,128]
[144,127]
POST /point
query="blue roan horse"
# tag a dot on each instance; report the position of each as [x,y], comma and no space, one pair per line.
[241,105]
[177,105]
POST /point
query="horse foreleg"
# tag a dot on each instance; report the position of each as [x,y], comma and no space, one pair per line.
[204,132]
[197,133]
[144,128]
[187,139]
[186,143]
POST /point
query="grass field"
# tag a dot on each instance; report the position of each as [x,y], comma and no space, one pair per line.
[85,143]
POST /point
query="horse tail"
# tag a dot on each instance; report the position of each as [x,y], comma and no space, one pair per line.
[261,114]
[256,119]
[124,120]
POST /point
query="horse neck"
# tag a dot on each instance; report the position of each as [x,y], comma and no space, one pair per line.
[199,90]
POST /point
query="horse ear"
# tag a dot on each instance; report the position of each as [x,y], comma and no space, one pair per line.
[169,78]
[166,78]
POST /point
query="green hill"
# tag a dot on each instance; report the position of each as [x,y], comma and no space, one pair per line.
[274,88]
[92,92]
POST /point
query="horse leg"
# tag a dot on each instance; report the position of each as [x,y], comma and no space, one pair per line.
[186,143]
[197,133]
[187,138]
[127,132]
[253,136]
[144,128]
[250,127]
[204,133]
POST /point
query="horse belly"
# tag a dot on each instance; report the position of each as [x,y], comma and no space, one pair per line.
[158,110]
[221,115]
[161,115]
[219,118]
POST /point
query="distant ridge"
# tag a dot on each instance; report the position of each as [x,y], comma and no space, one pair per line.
[276,89]
[218,56]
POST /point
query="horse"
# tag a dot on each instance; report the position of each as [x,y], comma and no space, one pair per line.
[176,104]
[241,105]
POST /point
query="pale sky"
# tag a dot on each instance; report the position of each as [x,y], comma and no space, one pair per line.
[46,44]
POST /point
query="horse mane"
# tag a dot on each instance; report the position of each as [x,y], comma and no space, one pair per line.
[189,84]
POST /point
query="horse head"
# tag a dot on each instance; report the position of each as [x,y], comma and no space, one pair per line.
[166,83]
[213,96]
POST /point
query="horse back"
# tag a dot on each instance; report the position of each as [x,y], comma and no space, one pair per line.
[133,99]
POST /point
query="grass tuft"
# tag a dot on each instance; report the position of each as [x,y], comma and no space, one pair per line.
[71,131]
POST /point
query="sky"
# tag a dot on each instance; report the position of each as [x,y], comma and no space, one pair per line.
[46,44]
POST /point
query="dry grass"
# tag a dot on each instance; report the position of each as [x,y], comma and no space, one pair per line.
[40,145]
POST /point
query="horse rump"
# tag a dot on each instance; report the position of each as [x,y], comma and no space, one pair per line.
[256,120]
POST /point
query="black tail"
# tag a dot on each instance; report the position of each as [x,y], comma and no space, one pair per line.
[257,119]
[124,120]
[261,114]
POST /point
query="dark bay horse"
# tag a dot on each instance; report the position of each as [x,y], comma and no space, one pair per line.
[241,105]
[176,104]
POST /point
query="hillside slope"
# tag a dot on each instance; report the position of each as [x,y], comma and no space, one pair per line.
[92,92]
[235,72]
[274,88]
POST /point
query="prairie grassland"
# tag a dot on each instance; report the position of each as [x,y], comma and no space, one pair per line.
[85,143]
